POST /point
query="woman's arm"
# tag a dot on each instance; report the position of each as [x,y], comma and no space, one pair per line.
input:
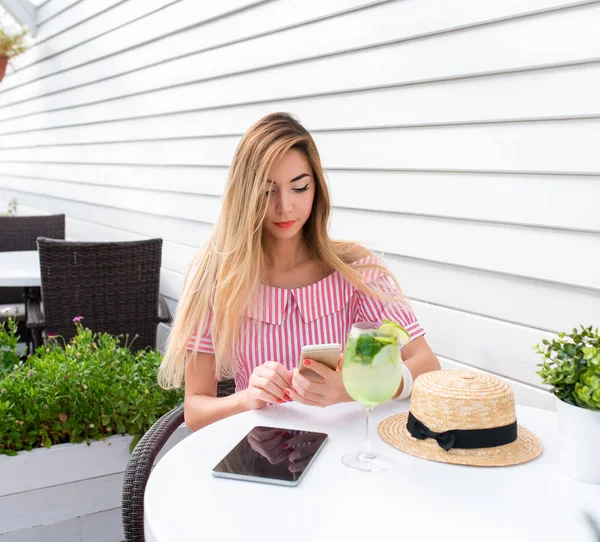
[419,358]
[201,405]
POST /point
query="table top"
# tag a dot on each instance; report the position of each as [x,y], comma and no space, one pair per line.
[20,268]
[419,498]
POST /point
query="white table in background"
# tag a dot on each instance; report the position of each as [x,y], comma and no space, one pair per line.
[418,500]
[20,268]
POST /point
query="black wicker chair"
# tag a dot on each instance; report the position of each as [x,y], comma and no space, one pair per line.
[19,233]
[141,463]
[114,286]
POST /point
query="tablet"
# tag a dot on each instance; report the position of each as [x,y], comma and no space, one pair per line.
[272,455]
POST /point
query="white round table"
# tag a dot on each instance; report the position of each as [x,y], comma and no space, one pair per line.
[418,500]
[20,268]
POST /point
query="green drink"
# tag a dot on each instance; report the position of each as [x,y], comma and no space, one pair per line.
[373,383]
[372,374]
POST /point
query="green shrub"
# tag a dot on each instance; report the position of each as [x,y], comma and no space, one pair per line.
[9,359]
[85,390]
[572,367]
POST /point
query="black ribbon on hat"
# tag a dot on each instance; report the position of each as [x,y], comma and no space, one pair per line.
[464,438]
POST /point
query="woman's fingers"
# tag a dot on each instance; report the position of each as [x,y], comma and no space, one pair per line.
[301,399]
[272,378]
[321,369]
[306,388]
[279,370]
[269,387]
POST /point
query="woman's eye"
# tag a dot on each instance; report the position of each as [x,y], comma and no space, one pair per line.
[303,189]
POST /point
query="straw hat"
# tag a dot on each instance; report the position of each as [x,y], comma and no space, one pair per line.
[462,417]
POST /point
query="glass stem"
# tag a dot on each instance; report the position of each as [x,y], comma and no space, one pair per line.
[368,451]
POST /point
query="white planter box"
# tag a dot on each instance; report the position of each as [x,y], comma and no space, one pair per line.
[579,430]
[70,492]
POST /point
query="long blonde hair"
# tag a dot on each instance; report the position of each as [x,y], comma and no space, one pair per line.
[226,274]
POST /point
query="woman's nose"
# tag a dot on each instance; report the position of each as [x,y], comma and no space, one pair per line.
[284,203]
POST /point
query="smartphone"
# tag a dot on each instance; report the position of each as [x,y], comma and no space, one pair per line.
[327,354]
[261,457]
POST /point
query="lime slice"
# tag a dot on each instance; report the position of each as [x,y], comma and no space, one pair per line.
[395,330]
[385,339]
[385,355]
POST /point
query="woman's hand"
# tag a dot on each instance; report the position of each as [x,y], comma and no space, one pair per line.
[267,384]
[328,391]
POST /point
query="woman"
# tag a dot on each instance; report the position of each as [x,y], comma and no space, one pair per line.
[271,280]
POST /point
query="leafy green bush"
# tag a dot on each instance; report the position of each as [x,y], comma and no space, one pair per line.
[572,367]
[9,359]
[85,390]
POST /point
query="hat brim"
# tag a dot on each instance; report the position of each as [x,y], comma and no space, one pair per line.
[527,446]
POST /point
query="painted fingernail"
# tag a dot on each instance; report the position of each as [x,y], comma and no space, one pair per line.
[278,400]
[287,391]
[284,445]
[278,433]
[306,362]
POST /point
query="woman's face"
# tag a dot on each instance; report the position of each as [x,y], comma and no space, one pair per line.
[291,195]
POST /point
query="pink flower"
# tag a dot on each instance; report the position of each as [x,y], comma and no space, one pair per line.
[77,319]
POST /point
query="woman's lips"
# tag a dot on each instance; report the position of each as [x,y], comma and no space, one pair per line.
[287,224]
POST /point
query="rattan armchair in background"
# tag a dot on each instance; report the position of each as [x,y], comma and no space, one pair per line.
[114,286]
[141,463]
[18,233]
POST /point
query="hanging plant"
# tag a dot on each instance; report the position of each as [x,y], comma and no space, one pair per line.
[12,43]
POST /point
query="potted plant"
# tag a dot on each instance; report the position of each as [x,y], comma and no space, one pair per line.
[12,43]
[571,366]
[69,416]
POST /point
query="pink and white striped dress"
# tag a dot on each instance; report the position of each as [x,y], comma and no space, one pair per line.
[318,313]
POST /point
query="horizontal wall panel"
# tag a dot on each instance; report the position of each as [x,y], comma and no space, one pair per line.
[79,13]
[175,256]
[188,232]
[209,181]
[83,22]
[545,147]
[542,305]
[205,208]
[507,198]
[497,347]
[575,93]
[444,56]
[506,249]
[182,28]
[274,84]
[52,9]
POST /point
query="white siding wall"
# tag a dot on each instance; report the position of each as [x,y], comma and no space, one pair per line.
[460,137]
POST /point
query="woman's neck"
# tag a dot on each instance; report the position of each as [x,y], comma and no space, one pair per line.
[286,254]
